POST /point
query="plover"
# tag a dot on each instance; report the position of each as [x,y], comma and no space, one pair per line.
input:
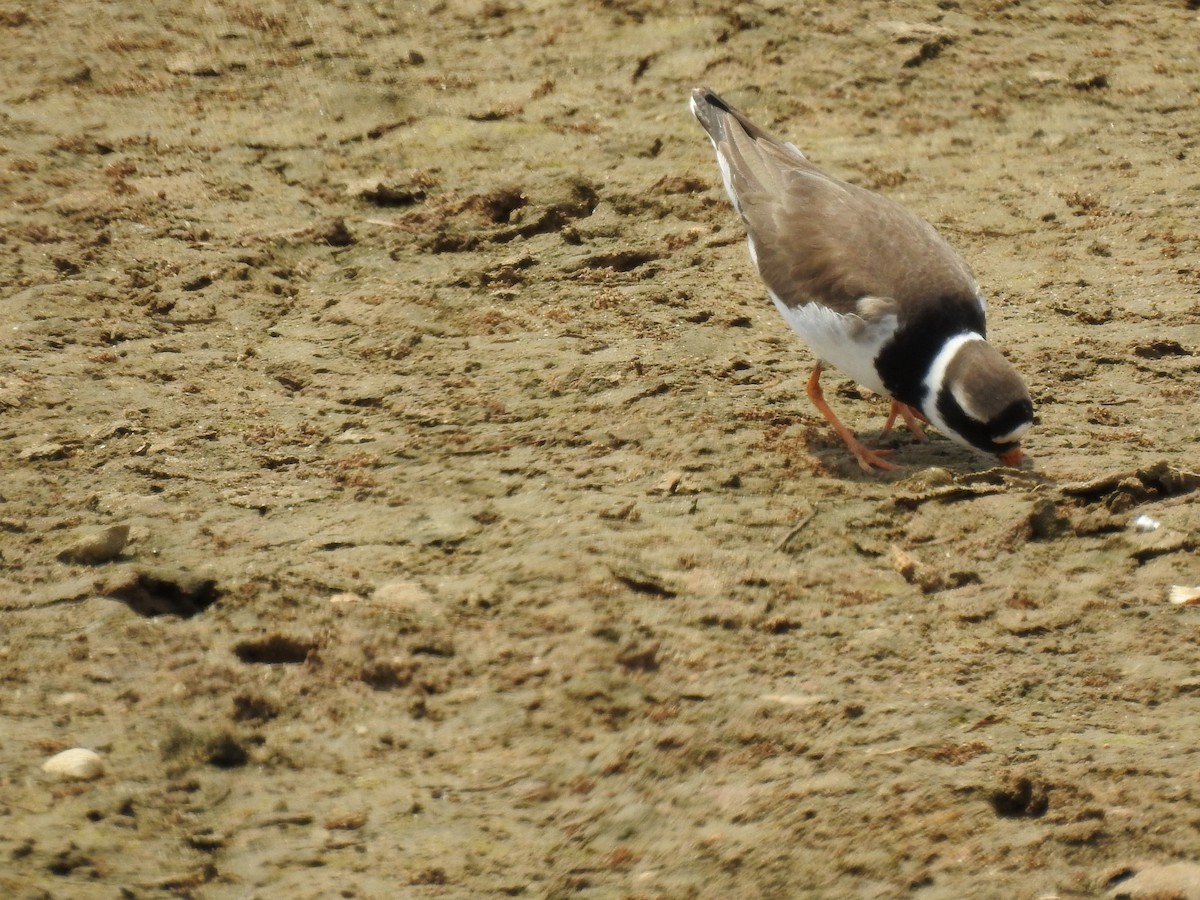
[872,289]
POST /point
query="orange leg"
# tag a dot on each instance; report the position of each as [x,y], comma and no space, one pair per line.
[912,419]
[866,457]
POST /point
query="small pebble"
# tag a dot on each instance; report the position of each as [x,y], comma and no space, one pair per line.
[67,698]
[94,549]
[78,764]
[190,64]
[1145,524]
[43,452]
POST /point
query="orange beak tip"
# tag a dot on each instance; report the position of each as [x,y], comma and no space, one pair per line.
[1013,457]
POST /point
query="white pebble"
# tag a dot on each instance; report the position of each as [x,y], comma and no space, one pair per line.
[1145,524]
[67,698]
[78,763]
[94,549]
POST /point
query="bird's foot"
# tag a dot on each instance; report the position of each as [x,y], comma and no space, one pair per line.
[869,460]
[912,419]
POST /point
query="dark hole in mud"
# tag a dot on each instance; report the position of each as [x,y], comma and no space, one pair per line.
[385,676]
[67,861]
[583,202]
[153,594]
[290,381]
[929,50]
[500,205]
[1023,798]
[644,585]
[1158,348]
[226,753]
[393,195]
[453,243]
[622,261]
[275,649]
[253,708]
[433,647]
[205,843]
[335,234]
[1096,82]
[1119,877]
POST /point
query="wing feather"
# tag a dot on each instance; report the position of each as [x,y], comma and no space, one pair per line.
[817,238]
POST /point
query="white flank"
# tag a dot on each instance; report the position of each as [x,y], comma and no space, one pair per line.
[936,377]
[847,343]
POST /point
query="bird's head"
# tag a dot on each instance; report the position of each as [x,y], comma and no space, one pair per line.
[975,396]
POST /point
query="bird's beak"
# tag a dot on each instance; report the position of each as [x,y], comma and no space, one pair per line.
[1013,457]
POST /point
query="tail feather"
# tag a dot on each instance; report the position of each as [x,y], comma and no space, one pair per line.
[751,159]
[712,111]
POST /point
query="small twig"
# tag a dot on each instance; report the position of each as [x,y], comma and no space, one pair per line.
[46,604]
[383,223]
[796,529]
[473,789]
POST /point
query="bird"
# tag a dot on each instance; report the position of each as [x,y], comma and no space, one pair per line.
[873,290]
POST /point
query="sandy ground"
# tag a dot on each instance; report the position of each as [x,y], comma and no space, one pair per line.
[481,540]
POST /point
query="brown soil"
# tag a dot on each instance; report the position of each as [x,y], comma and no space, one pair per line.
[482,541]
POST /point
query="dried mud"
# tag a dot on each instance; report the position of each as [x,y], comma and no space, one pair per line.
[481,540]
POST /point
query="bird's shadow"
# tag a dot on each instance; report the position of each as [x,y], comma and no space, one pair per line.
[912,456]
